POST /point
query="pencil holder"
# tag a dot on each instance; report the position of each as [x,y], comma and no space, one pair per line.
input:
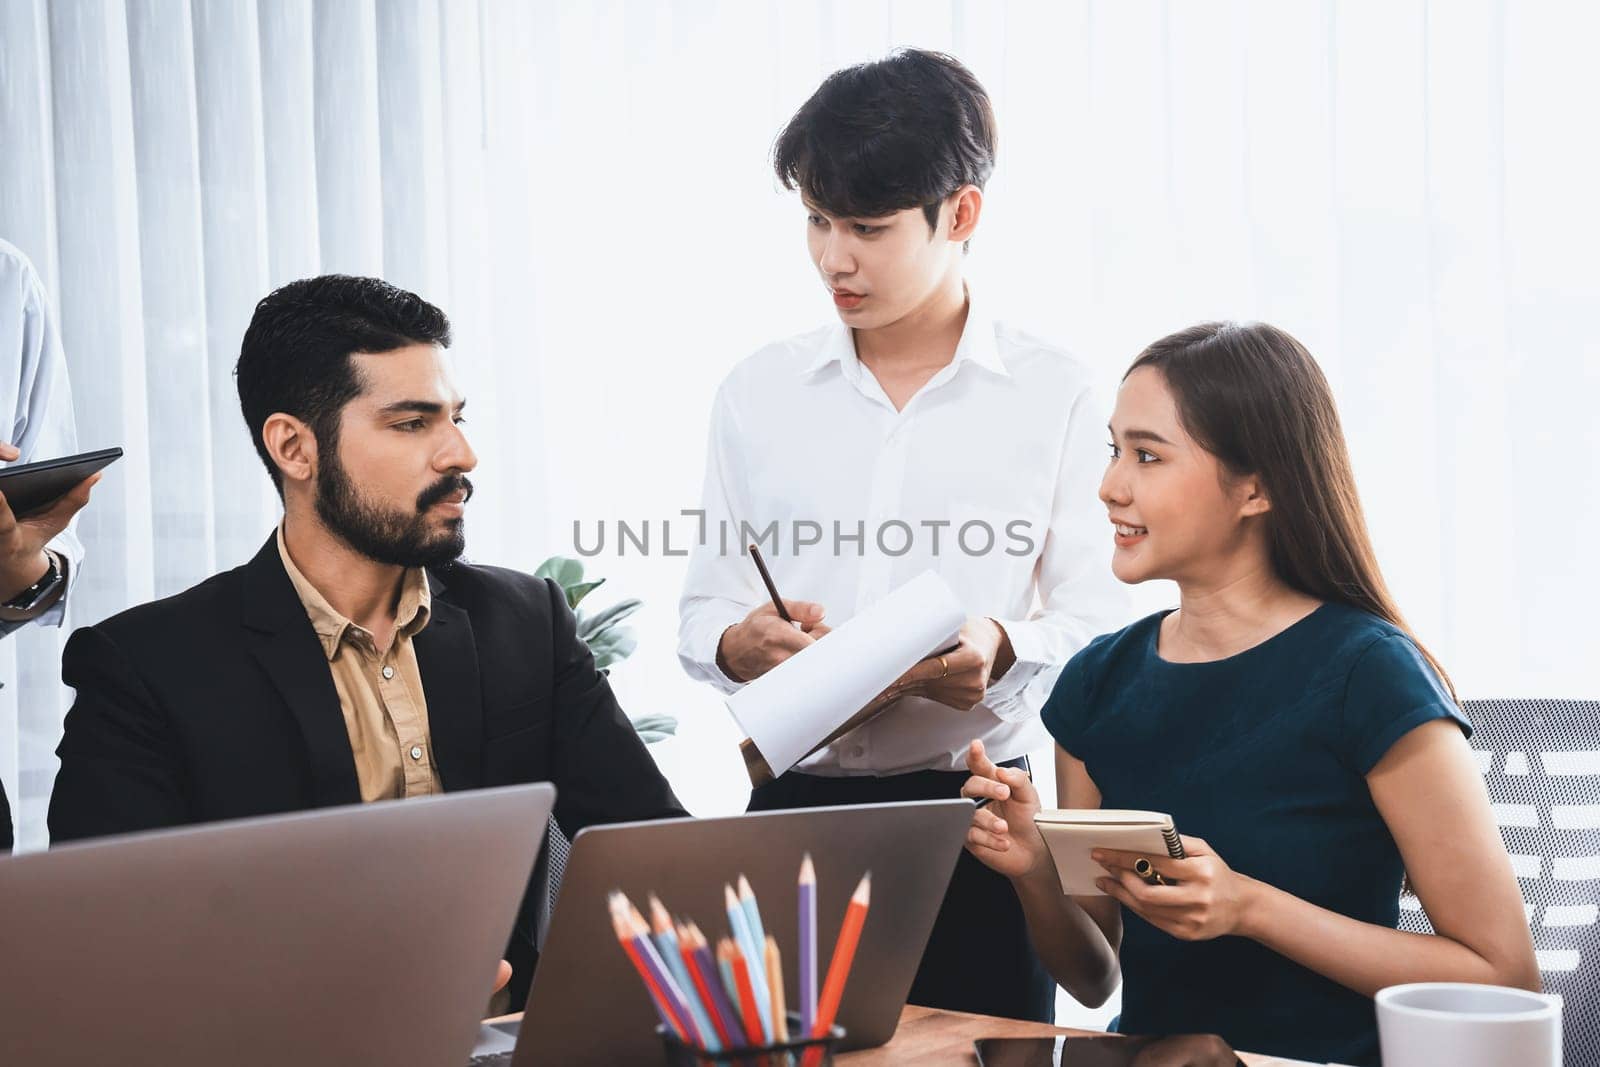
[800,1052]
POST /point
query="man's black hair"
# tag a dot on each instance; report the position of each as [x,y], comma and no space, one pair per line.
[903,131]
[295,357]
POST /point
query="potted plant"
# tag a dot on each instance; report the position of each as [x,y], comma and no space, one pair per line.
[609,641]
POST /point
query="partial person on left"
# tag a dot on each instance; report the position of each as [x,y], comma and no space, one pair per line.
[38,553]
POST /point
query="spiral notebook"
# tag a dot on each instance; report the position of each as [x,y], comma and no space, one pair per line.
[1072,833]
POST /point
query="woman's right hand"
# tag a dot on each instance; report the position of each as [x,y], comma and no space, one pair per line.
[1002,835]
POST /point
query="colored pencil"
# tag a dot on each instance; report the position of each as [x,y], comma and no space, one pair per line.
[808,944]
[669,987]
[731,989]
[739,923]
[704,988]
[747,993]
[752,912]
[666,939]
[619,923]
[844,954]
[780,1011]
[758,944]
[719,984]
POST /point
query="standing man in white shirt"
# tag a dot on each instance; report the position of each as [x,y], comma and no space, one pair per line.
[38,554]
[913,433]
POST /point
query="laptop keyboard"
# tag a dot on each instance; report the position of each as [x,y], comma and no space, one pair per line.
[494,1059]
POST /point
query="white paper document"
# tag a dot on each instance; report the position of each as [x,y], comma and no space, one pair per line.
[790,709]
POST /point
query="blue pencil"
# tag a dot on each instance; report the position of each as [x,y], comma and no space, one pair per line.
[666,940]
[739,920]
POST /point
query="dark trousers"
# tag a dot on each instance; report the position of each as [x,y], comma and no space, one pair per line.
[979,958]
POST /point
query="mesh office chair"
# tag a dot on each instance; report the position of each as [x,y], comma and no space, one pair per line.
[1541,762]
[557,849]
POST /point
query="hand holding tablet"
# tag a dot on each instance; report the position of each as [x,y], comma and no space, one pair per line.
[37,501]
[32,488]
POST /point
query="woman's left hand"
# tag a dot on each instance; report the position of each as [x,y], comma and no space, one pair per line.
[1205,898]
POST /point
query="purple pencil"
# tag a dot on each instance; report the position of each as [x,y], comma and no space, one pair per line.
[663,977]
[808,945]
[712,976]
[719,994]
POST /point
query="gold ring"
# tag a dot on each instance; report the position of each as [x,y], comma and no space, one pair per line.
[944,667]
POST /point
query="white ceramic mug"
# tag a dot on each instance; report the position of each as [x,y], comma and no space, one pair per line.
[1425,1024]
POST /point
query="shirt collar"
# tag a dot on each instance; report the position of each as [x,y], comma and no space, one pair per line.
[416,603]
[977,345]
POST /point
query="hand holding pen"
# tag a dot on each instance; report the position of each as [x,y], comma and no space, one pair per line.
[770,634]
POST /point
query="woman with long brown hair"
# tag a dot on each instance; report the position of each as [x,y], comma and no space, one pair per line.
[1283,714]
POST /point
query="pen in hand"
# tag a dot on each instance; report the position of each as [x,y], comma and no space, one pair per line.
[772,588]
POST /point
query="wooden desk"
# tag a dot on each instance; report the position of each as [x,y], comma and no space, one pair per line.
[929,1037]
[933,1038]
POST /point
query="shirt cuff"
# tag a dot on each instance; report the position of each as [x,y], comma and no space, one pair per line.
[1007,698]
[698,654]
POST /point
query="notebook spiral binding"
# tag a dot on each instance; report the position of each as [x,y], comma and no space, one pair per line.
[1174,845]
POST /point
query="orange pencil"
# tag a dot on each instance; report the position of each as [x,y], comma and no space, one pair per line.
[747,992]
[844,954]
[780,1012]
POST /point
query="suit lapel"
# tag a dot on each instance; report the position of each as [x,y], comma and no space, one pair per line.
[282,641]
[447,657]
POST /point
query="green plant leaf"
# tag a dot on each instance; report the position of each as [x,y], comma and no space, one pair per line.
[596,624]
[567,572]
[575,593]
[653,728]
[663,722]
[613,647]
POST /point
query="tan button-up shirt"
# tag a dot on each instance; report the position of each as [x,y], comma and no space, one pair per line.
[385,711]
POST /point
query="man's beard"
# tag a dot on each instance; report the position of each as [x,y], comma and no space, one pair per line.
[388,535]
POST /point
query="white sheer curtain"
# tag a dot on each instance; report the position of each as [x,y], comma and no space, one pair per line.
[583,186]
[165,164]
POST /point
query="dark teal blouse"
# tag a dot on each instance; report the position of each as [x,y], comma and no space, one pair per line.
[1264,755]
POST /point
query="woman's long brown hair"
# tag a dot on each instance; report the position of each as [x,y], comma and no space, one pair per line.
[1252,396]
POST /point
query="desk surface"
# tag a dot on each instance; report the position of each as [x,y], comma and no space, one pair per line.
[929,1037]
[932,1038]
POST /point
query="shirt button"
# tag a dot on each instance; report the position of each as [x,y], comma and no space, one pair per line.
[388,672]
[416,752]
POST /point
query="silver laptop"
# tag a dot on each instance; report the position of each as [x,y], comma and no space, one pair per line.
[357,935]
[587,1005]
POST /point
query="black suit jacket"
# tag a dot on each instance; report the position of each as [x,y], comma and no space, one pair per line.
[218,703]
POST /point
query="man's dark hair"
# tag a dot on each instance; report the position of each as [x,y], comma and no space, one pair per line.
[903,131]
[295,357]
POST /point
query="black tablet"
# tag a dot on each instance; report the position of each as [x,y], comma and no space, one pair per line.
[33,487]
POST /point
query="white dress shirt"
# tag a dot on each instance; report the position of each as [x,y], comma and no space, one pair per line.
[35,399]
[1007,438]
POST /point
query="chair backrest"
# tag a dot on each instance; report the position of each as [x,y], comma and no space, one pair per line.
[557,849]
[1540,760]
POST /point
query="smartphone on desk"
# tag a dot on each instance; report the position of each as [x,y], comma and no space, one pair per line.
[1110,1050]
